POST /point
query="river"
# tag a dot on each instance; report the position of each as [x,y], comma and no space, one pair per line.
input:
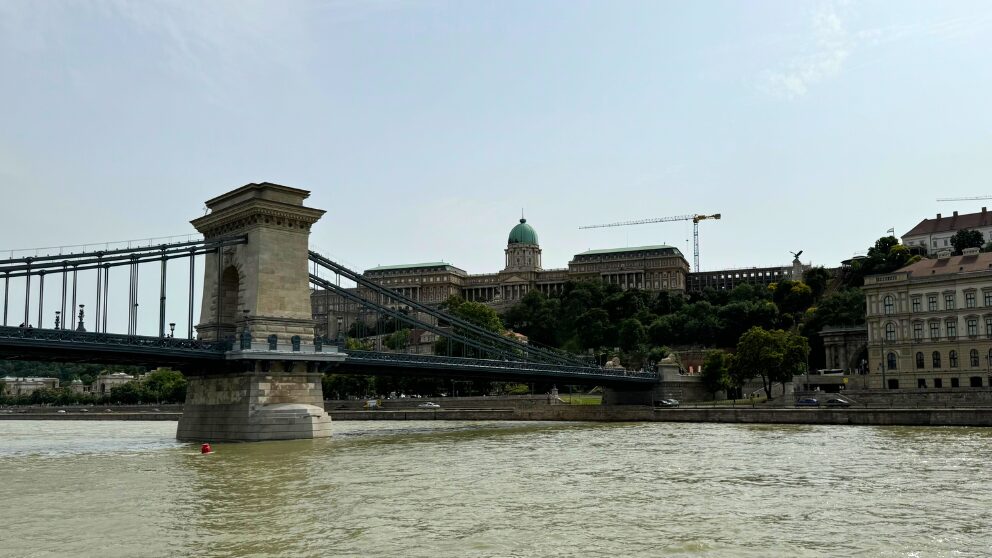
[461,489]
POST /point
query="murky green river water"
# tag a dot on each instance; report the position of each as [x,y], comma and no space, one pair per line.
[108,489]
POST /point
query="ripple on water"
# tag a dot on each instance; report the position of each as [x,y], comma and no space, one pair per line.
[498,489]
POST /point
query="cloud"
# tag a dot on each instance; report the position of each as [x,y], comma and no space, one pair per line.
[830,46]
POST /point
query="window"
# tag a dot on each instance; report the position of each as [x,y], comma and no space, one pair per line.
[969,300]
[892,361]
[921,383]
[932,303]
[988,327]
[938,383]
[955,383]
[934,331]
[972,327]
[948,302]
[916,304]
[893,384]
[890,332]
[936,359]
[952,359]
[988,297]
[918,331]
[976,381]
[973,358]
[919,361]
[952,329]
[887,303]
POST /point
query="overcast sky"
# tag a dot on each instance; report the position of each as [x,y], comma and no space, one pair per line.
[423,128]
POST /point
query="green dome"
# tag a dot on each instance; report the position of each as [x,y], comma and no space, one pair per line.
[523,234]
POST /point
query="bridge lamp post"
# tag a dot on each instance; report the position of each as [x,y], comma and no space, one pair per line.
[58,317]
[172,329]
[79,325]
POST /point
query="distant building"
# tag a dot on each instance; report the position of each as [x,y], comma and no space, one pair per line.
[727,279]
[26,386]
[651,268]
[930,323]
[935,234]
[106,382]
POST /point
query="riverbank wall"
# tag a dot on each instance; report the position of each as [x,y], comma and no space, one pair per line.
[596,413]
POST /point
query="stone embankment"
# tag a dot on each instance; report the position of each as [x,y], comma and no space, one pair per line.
[579,413]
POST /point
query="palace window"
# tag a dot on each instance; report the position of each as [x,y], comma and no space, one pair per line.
[952,329]
[921,383]
[952,359]
[916,304]
[890,332]
[919,361]
[976,381]
[973,358]
[892,361]
[972,327]
[938,383]
[887,302]
[918,331]
[932,303]
[948,302]
[936,359]
[969,300]
[955,383]
[988,297]
[934,331]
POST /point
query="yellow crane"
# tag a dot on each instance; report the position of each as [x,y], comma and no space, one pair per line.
[695,218]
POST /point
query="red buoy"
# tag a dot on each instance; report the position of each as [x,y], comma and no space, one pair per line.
[205,448]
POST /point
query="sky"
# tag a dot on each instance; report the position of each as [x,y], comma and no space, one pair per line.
[425,128]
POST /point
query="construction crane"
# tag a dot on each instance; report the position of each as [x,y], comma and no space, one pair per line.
[695,228]
[972,198]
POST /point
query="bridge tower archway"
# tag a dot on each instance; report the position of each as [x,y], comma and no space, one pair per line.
[264,283]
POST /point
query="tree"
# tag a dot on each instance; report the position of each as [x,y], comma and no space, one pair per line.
[165,385]
[817,278]
[716,374]
[967,238]
[774,356]
[398,339]
[631,334]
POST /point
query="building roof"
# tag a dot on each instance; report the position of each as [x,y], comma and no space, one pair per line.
[629,249]
[522,234]
[413,266]
[954,264]
[952,223]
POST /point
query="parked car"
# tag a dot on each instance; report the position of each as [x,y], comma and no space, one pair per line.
[667,403]
[429,405]
[807,402]
[837,403]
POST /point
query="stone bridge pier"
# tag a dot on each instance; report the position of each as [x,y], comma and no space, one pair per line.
[257,295]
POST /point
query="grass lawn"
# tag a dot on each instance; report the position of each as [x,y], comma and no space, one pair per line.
[582,399]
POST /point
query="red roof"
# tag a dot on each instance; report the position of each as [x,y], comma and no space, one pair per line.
[952,223]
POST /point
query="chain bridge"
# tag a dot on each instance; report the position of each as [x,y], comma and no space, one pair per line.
[254,362]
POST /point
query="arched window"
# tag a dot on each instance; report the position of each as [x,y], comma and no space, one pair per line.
[952,358]
[890,331]
[892,361]
[919,360]
[973,358]
[887,302]
[936,359]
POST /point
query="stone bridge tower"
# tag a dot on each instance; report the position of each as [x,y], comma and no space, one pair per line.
[270,388]
[264,283]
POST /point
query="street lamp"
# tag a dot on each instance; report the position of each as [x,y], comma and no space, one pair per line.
[172,329]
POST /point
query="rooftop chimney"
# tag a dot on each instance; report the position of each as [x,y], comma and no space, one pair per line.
[955,213]
[938,215]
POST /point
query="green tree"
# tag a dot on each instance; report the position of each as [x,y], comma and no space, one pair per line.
[817,278]
[398,339]
[631,334]
[716,373]
[774,356]
[967,238]
[165,385]
[593,328]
